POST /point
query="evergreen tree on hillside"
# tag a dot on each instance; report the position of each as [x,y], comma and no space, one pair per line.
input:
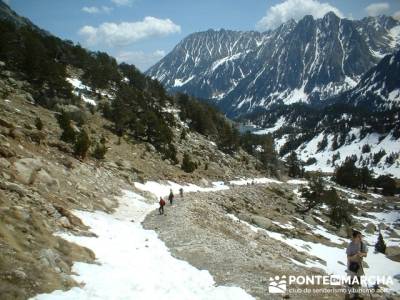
[295,168]
[82,144]
[101,70]
[380,245]
[68,133]
[366,178]
[100,150]
[322,144]
[228,139]
[268,155]
[314,193]
[340,210]
[170,153]
[387,184]
[187,164]
[348,174]
[38,123]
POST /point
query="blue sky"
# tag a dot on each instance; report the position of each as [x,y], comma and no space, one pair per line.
[142,31]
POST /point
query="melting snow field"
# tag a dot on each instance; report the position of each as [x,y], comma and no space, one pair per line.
[163,189]
[133,263]
[333,257]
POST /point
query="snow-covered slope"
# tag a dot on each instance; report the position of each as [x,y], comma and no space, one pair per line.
[327,159]
[133,263]
[379,88]
[306,61]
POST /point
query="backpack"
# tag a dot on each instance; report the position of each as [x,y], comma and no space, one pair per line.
[354,266]
[162,202]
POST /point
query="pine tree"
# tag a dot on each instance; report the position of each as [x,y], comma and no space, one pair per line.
[348,174]
[82,144]
[268,155]
[187,164]
[380,245]
[294,166]
[68,133]
[183,134]
[322,144]
[365,177]
[38,124]
[99,151]
[314,194]
[340,210]
[170,153]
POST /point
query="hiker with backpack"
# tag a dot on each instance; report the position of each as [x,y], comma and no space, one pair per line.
[181,192]
[162,204]
[356,251]
[171,196]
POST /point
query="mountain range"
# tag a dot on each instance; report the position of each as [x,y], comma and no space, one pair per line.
[307,61]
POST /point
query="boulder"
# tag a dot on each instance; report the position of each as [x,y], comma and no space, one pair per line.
[49,258]
[21,213]
[5,123]
[393,251]
[370,228]
[13,187]
[43,177]
[25,169]
[16,134]
[393,234]
[4,163]
[343,232]
[29,98]
[72,219]
[262,222]
[64,222]
[382,226]
[6,151]
[150,148]
[35,136]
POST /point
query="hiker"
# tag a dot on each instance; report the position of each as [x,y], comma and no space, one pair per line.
[181,192]
[171,196]
[162,204]
[356,251]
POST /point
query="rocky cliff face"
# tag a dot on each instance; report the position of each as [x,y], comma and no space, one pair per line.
[379,88]
[305,61]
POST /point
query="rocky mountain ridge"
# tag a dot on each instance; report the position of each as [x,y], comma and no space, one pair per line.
[306,61]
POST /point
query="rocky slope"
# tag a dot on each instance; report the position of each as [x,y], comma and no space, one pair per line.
[379,88]
[247,234]
[302,61]
[41,182]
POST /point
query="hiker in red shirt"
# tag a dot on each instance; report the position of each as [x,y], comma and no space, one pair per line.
[162,203]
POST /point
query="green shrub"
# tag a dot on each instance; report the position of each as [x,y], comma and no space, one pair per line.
[38,124]
[82,144]
[187,164]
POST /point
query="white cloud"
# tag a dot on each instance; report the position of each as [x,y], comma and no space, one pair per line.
[294,9]
[125,33]
[97,10]
[140,59]
[376,9]
[396,15]
[122,2]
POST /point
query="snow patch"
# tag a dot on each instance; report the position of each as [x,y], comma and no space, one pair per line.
[133,263]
